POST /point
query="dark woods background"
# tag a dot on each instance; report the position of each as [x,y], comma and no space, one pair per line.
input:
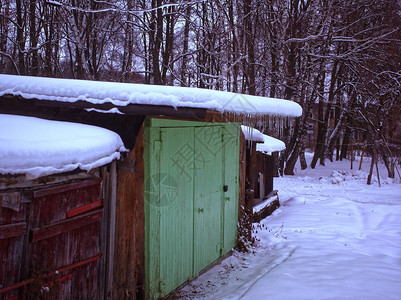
[340,60]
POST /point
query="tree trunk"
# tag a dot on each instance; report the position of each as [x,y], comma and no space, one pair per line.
[184,60]
[20,38]
[250,62]
[168,47]
[4,25]
[33,38]
[346,139]
[369,181]
[320,135]
[326,122]
[334,137]
[155,39]
[289,166]
[302,159]
[234,49]
[386,160]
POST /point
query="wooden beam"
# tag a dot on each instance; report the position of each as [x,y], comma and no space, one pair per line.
[266,211]
[12,230]
[66,188]
[9,102]
[51,274]
[65,226]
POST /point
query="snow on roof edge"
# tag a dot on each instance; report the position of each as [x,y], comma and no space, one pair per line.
[122,94]
[265,143]
[36,172]
[270,145]
[36,147]
[252,134]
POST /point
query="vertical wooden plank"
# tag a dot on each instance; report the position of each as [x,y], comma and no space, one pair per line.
[129,266]
[111,230]
[101,273]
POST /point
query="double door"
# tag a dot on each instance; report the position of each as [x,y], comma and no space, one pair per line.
[191,200]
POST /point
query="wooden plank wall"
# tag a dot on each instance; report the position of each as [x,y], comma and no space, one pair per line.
[129,266]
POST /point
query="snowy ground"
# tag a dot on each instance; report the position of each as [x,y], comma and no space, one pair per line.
[334,237]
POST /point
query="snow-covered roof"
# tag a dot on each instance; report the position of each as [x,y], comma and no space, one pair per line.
[37,147]
[123,94]
[265,143]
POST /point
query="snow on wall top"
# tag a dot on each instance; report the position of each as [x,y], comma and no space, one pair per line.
[265,143]
[122,94]
[252,134]
[37,147]
[270,145]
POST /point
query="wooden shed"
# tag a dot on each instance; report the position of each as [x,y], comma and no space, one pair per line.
[179,188]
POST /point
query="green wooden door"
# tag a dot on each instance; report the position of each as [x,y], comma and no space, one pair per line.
[208,196]
[170,198]
[190,221]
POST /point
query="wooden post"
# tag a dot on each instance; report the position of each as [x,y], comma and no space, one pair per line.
[103,238]
[111,230]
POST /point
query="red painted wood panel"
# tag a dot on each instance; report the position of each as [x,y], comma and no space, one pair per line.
[84,208]
[55,242]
